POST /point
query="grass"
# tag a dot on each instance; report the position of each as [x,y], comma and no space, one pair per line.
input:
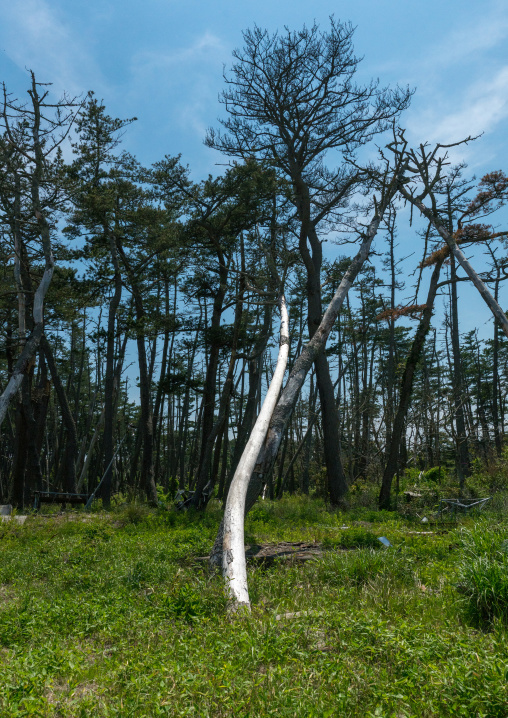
[110,615]
[483,577]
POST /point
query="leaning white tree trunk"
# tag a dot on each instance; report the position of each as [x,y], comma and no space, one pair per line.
[234,569]
[289,395]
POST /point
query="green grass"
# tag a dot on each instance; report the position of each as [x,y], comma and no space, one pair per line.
[110,615]
[483,578]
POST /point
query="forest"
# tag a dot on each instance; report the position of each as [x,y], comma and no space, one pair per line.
[140,308]
[253,437]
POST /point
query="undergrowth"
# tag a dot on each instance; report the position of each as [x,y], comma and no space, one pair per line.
[112,615]
[483,577]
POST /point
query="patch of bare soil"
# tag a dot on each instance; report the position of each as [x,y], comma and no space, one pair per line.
[59,693]
[6,594]
[84,689]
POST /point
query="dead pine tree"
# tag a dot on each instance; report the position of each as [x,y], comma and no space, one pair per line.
[259,455]
[292,101]
[34,132]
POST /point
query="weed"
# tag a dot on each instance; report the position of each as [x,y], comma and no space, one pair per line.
[185,603]
[483,577]
[132,514]
[102,618]
[353,538]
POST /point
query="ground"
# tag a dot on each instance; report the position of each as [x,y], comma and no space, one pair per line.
[114,615]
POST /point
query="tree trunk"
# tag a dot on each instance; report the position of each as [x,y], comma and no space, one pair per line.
[462,459]
[71,450]
[147,470]
[109,411]
[218,426]
[208,402]
[290,393]
[406,388]
[495,375]
[19,460]
[336,479]
[234,569]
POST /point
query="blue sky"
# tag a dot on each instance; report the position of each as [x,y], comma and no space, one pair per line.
[162,61]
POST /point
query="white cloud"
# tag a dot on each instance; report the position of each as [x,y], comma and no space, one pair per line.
[150,63]
[473,37]
[483,106]
[462,87]
[35,37]
[186,80]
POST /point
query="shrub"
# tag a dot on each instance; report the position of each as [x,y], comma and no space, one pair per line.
[483,578]
[189,603]
[133,513]
[364,494]
[436,474]
[186,603]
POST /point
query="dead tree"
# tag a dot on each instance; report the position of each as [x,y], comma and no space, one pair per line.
[234,567]
[35,137]
[292,99]
[289,395]
[425,173]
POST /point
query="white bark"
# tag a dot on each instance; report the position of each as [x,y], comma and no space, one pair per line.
[234,567]
[23,363]
[288,398]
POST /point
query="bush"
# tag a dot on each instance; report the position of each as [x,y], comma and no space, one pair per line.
[190,603]
[133,514]
[364,494]
[436,474]
[489,477]
[483,578]
[185,603]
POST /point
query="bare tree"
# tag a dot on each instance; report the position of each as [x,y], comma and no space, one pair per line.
[234,567]
[291,99]
[289,395]
[35,135]
[426,167]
